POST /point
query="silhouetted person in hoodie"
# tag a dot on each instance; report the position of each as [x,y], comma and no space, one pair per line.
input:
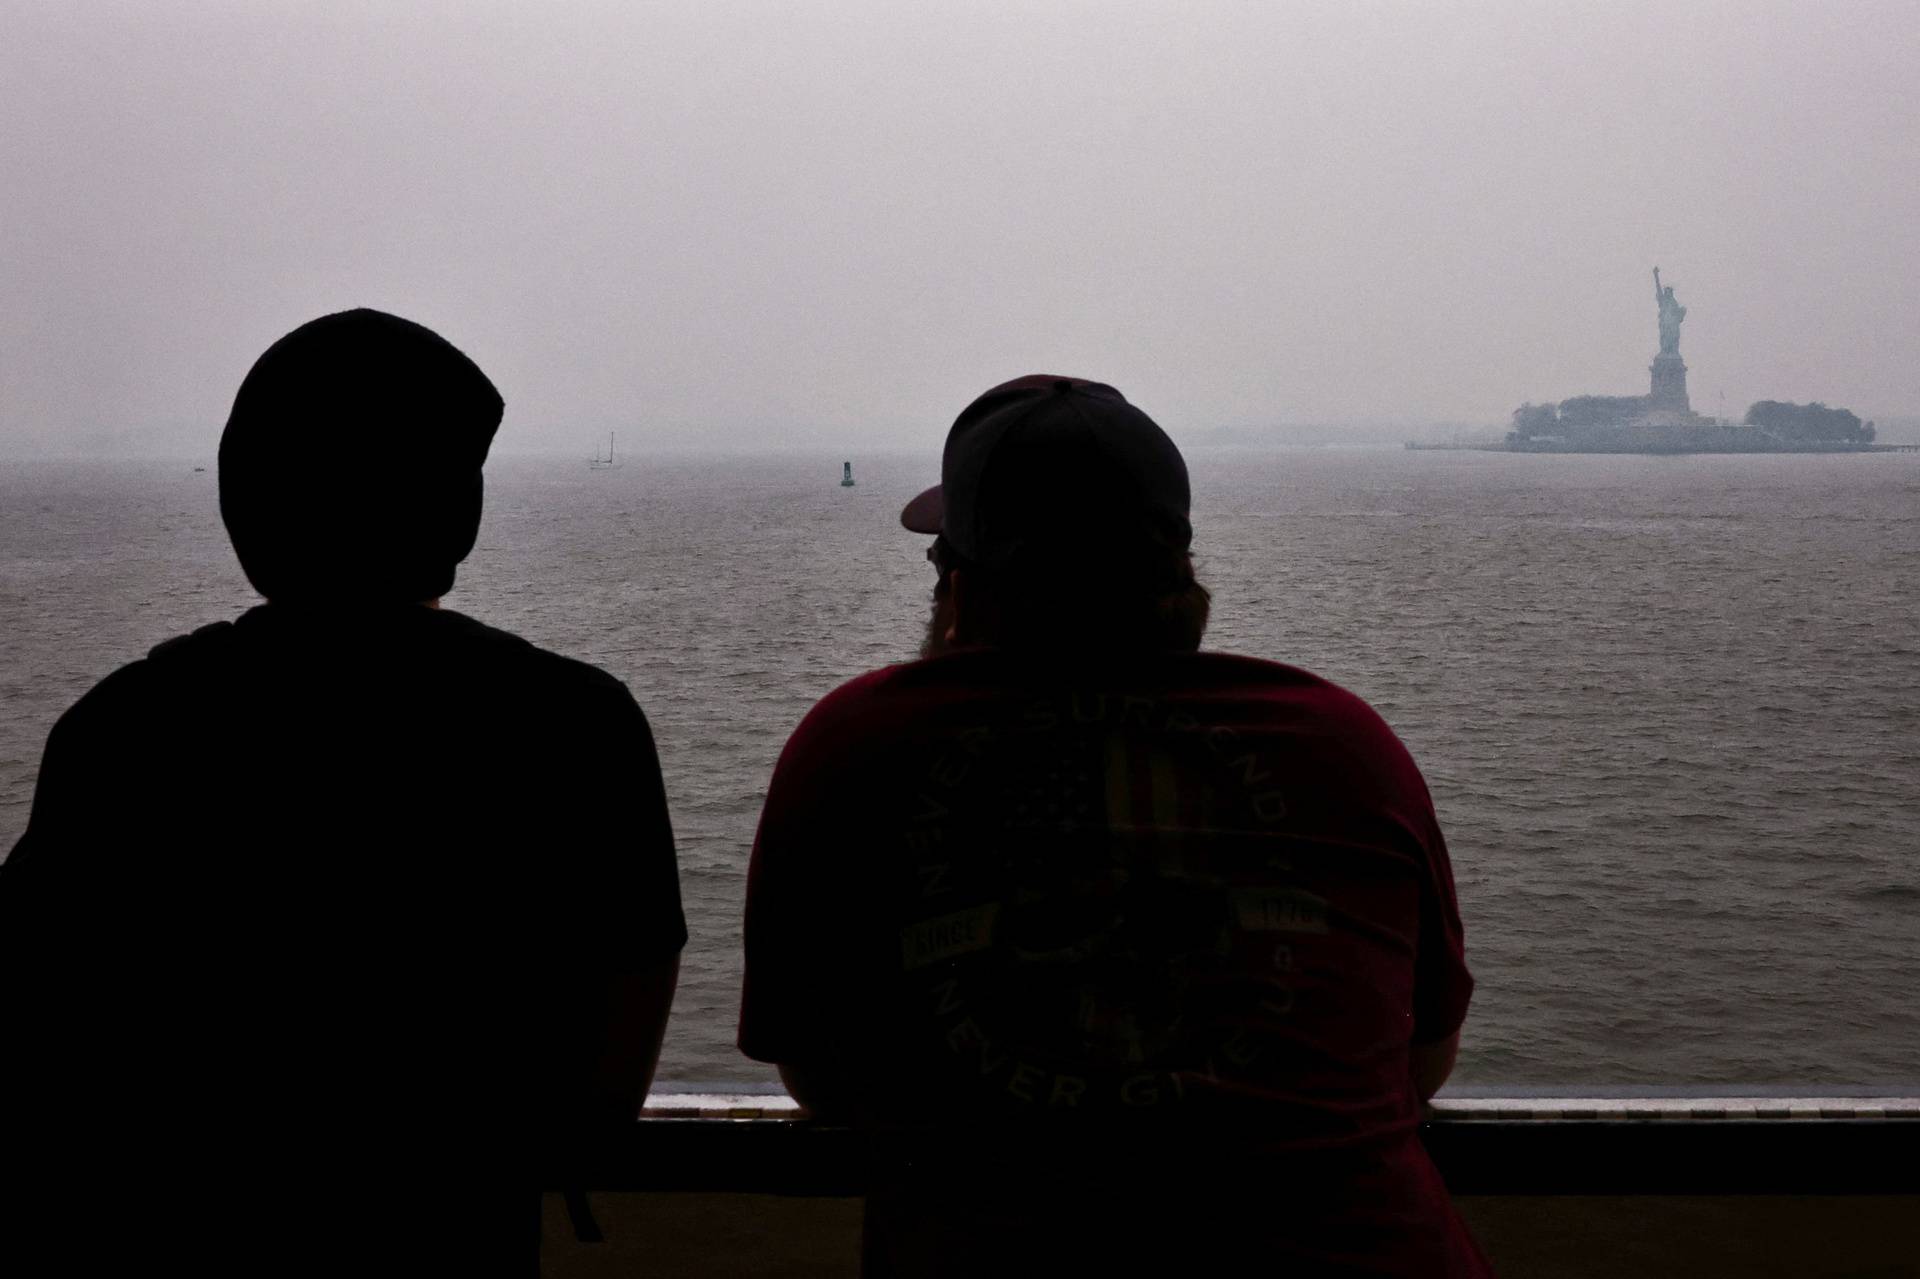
[327,915]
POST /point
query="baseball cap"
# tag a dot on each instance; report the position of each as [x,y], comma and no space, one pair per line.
[1052,464]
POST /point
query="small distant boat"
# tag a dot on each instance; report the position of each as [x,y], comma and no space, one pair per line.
[598,463]
[846,475]
[198,469]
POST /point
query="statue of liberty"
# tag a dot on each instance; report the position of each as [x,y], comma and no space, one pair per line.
[1671,313]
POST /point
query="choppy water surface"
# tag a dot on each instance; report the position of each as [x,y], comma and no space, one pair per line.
[1669,707]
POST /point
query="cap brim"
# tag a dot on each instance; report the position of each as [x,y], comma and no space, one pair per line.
[926,513]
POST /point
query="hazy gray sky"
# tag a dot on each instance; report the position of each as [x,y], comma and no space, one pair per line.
[715,223]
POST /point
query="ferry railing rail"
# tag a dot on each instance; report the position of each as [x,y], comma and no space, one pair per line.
[1624,1142]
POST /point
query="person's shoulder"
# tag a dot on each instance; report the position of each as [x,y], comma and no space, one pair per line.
[1310,704]
[144,675]
[921,686]
[112,696]
[210,638]
[857,702]
[518,659]
[874,714]
[129,690]
[1259,678]
[910,691]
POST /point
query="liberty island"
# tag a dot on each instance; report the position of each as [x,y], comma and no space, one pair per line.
[1664,421]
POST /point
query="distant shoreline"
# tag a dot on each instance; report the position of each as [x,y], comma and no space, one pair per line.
[1677,450]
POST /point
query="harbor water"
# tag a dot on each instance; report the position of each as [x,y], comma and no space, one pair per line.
[1669,707]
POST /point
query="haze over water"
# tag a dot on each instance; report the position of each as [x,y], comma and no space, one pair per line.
[1669,707]
[729,223]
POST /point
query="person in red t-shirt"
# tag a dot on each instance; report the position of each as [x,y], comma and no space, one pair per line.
[1125,955]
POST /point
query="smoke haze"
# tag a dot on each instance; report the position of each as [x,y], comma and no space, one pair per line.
[746,226]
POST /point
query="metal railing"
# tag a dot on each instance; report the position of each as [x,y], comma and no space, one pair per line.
[1611,1143]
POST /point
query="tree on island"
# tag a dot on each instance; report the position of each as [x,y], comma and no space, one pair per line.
[1787,421]
[1602,410]
[1532,419]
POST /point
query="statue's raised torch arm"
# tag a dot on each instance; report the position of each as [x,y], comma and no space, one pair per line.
[1671,313]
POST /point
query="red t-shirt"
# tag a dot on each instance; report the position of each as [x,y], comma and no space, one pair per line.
[1154,936]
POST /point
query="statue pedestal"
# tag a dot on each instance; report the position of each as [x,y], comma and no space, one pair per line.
[1669,387]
